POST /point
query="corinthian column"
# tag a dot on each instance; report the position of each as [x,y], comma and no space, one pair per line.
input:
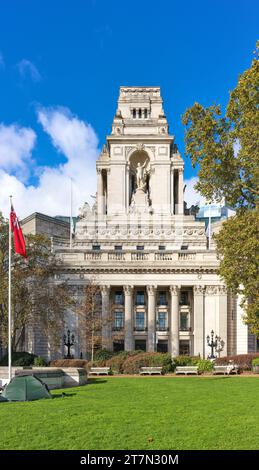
[174,290]
[106,320]
[180,191]
[151,290]
[198,320]
[128,345]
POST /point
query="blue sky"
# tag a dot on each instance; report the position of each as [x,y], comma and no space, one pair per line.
[62,62]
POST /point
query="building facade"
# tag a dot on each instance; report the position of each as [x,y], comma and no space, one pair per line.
[158,279]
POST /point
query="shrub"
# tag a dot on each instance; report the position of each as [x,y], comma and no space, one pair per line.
[244,361]
[19,359]
[185,361]
[133,364]
[103,354]
[116,363]
[69,363]
[255,361]
[204,365]
[39,362]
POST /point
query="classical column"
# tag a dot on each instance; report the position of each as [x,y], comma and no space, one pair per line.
[106,318]
[223,317]
[174,290]
[172,189]
[100,195]
[128,344]
[151,290]
[198,320]
[180,191]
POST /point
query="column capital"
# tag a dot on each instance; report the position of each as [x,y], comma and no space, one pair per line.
[198,290]
[128,290]
[211,290]
[151,290]
[105,289]
[174,290]
[222,290]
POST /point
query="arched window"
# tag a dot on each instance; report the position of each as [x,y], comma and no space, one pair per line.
[134,113]
[139,113]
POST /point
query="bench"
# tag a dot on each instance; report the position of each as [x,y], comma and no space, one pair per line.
[150,370]
[187,370]
[230,369]
[99,370]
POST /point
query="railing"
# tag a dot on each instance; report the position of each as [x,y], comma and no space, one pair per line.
[118,328]
[185,328]
[162,328]
[140,328]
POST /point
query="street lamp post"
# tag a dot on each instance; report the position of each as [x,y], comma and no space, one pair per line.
[215,345]
[69,342]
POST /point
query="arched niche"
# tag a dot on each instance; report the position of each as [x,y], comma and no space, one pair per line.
[138,156]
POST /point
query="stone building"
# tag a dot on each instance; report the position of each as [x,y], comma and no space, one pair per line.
[158,278]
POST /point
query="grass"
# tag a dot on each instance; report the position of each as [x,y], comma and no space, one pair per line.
[139,413]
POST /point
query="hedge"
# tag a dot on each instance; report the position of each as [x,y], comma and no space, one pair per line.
[19,359]
[133,364]
[185,361]
[244,361]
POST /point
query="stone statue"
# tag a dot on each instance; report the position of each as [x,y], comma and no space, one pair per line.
[141,175]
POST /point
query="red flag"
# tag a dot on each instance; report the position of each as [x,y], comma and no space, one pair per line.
[19,243]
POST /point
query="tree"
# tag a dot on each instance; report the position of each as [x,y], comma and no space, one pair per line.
[36,298]
[226,148]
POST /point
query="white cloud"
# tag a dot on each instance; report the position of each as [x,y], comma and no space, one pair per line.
[77,141]
[26,67]
[16,145]
[191,195]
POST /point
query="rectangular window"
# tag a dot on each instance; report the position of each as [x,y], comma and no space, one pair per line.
[140,247]
[96,247]
[162,321]
[118,346]
[184,321]
[118,297]
[161,247]
[118,321]
[118,247]
[140,345]
[140,321]
[162,346]
[184,299]
[140,298]
[162,298]
[184,247]
[184,348]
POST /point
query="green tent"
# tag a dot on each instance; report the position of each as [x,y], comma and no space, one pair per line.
[25,388]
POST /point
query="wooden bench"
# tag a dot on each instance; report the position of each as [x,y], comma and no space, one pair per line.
[187,370]
[150,370]
[99,370]
[230,369]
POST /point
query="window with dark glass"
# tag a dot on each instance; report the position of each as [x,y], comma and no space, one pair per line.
[145,113]
[161,247]
[118,346]
[162,298]
[139,113]
[118,321]
[184,247]
[96,247]
[140,247]
[140,321]
[162,321]
[184,298]
[134,114]
[118,297]
[140,297]
[162,346]
[140,345]
[184,324]
[118,247]
[184,348]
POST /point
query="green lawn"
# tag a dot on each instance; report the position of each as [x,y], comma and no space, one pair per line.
[139,413]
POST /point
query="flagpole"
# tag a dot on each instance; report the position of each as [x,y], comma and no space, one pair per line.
[10,302]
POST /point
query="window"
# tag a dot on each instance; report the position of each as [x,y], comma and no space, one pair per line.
[140,247]
[184,348]
[118,297]
[140,345]
[162,321]
[184,321]
[134,114]
[162,346]
[184,298]
[118,321]
[139,113]
[184,247]
[118,346]
[161,247]
[118,247]
[140,321]
[140,298]
[96,247]
[162,298]
[145,113]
